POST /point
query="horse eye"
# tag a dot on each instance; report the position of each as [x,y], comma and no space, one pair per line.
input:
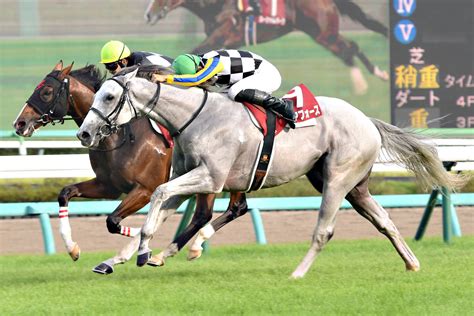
[109,97]
[46,94]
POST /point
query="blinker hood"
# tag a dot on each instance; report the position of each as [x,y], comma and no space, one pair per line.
[57,107]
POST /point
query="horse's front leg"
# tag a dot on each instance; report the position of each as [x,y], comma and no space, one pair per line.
[237,207]
[202,215]
[224,36]
[134,201]
[88,189]
[197,180]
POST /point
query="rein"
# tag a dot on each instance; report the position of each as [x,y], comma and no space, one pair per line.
[193,117]
[112,127]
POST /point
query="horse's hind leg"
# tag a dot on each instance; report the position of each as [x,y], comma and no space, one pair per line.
[237,207]
[332,199]
[334,179]
[365,205]
[87,189]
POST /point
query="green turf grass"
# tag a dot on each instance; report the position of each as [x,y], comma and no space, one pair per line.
[349,278]
[25,62]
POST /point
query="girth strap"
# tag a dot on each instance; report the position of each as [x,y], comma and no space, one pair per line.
[265,155]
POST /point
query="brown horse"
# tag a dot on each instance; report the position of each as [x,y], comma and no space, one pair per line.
[225,28]
[134,160]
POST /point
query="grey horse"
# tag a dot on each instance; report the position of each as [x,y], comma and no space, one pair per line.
[217,147]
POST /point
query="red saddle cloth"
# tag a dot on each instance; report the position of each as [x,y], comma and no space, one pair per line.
[273,12]
[305,104]
[160,129]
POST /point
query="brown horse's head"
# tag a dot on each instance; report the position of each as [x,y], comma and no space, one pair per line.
[157,9]
[47,102]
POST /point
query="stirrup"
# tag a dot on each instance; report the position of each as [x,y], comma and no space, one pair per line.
[291,121]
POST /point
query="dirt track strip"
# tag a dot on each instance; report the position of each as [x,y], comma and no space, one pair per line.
[24,235]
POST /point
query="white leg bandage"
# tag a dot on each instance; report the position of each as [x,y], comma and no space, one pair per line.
[129,231]
[65,228]
[204,234]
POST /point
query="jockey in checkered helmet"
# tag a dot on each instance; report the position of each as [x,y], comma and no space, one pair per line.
[245,76]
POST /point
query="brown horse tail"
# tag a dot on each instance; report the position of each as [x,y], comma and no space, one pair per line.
[411,150]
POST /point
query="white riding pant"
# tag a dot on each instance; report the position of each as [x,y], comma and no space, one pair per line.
[266,78]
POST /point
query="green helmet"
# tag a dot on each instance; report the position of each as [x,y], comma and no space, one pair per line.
[113,51]
[186,64]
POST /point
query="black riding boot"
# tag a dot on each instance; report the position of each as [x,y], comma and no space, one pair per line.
[282,107]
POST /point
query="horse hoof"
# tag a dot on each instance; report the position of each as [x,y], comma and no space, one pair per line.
[103,268]
[194,254]
[297,275]
[156,261]
[75,253]
[143,258]
[413,268]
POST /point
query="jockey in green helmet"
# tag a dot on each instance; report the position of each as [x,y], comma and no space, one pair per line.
[245,76]
[115,56]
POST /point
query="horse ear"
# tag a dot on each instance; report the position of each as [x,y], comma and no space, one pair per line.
[59,66]
[131,75]
[67,70]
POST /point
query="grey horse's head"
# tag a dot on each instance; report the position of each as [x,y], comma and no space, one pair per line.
[112,107]
[118,101]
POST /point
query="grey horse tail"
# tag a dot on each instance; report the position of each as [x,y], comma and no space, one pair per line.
[411,150]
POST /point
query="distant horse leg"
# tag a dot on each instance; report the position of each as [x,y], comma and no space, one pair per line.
[366,206]
[352,10]
[224,36]
[237,207]
[202,215]
[134,201]
[87,189]
[346,50]
[213,41]
[327,34]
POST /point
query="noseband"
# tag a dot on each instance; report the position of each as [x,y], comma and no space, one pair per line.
[111,126]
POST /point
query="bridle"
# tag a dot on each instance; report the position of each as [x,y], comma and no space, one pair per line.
[111,126]
[49,111]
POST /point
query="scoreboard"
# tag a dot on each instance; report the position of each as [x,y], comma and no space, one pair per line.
[432,63]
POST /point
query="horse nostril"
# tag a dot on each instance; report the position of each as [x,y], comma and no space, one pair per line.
[85,135]
[20,124]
